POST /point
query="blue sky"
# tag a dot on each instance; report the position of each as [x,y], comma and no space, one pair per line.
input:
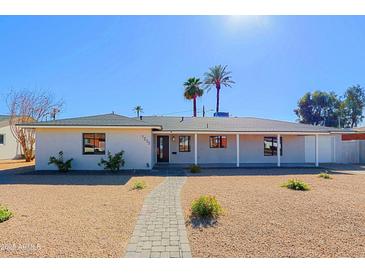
[102,64]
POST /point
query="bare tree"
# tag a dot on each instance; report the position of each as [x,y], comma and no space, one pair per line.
[27,106]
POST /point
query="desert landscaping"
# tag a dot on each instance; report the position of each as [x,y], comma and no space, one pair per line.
[262,219]
[81,220]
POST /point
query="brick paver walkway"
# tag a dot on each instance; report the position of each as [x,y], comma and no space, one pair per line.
[160,230]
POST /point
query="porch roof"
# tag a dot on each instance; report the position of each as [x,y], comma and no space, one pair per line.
[234,124]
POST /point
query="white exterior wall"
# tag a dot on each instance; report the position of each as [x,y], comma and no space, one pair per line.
[325,149]
[11,148]
[252,149]
[207,155]
[136,143]
[332,150]
[181,157]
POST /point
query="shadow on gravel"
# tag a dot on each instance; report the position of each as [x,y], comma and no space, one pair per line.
[266,171]
[28,176]
[199,222]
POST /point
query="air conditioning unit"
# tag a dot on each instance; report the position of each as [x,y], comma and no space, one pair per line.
[221,114]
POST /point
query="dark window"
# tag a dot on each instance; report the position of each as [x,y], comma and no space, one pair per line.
[218,141]
[184,143]
[93,143]
[271,146]
[2,139]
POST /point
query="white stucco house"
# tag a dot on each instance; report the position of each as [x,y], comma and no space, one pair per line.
[9,146]
[160,140]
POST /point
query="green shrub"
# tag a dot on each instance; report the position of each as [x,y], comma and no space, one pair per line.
[324,175]
[139,185]
[114,162]
[5,214]
[60,163]
[206,206]
[296,184]
[195,169]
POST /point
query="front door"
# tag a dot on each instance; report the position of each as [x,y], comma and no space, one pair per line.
[162,148]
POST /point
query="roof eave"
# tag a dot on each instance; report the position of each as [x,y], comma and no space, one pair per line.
[87,126]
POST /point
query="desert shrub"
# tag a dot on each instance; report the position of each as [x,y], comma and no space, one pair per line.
[296,184]
[139,185]
[324,175]
[5,214]
[62,165]
[113,162]
[206,206]
[195,169]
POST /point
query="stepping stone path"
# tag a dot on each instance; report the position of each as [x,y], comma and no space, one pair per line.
[160,230]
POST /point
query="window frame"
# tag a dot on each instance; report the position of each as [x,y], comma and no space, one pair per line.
[83,143]
[184,137]
[272,145]
[220,142]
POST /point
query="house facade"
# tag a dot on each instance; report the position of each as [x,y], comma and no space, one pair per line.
[9,147]
[211,141]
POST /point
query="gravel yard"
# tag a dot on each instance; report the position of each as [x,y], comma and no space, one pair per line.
[56,220]
[262,219]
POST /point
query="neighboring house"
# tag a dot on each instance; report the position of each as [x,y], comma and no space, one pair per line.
[153,140]
[9,146]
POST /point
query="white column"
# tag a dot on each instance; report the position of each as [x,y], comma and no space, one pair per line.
[238,150]
[278,149]
[334,148]
[316,154]
[195,148]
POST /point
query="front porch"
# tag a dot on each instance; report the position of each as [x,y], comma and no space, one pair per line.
[234,166]
[246,150]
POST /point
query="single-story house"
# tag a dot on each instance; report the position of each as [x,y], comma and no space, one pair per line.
[9,146]
[157,140]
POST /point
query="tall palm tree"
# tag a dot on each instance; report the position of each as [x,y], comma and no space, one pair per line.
[193,90]
[138,110]
[218,76]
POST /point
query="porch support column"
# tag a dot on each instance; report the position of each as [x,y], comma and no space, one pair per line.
[196,148]
[278,150]
[238,150]
[316,147]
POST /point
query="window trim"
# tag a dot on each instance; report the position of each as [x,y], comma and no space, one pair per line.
[272,144]
[189,143]
[94,153]
[220,143]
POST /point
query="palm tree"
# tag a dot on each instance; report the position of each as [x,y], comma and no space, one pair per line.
[218,76]
[193,90]
[138,110]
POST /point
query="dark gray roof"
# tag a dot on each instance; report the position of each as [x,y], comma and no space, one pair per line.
[112,120]
[233,124]
[208,124]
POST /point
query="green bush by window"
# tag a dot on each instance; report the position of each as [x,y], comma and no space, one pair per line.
[296,184]
[62,165]
[195,169]
[206,206]
[113,162]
